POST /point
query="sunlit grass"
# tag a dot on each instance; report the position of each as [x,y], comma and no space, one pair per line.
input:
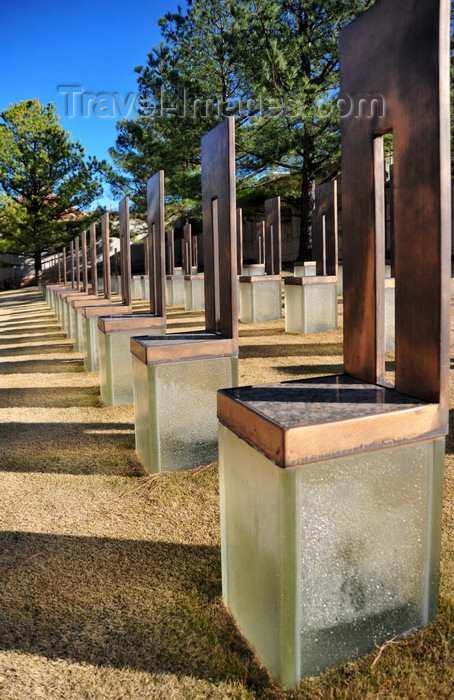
[110,579]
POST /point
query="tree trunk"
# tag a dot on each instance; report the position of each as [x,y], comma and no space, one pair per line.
[38,266]
[306,207]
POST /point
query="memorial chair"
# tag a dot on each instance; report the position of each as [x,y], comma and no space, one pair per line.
[260,295]
[311,295]
[176,376]
[114,332]
[90,314]
[331,488]
[251,269]
[194,284]
[84,297]
[174,275]
[63,295]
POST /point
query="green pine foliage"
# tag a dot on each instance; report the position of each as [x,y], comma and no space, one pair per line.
[183,89]
[45,182]
[273,64]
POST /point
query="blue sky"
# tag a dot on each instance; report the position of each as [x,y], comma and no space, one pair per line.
[94,45]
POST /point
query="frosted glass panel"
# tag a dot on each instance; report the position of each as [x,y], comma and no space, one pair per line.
[143,408]
[71,312]
[294,308]
[307,269]
[322,561]
[363,547]
[259,541]
[145,282]
[66,316]
[260,301]
[320,307]
[61,310]
[105,374]
[194,293]
[267,301]
[62,313]
[390,326]
[253,270]
[179,427]
[115,364]
[115,284]
[310,308]
[66,319]
[187,400]
[90,331]
[246,304]
[79,330]
[136,288]
[175,291]
[58,308]
[340,279]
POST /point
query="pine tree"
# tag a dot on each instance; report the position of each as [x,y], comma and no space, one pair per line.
[45,182]
[273,64]
[294,68]
[183,90]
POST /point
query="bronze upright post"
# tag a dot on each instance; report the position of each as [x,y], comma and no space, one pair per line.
[187,237]
[93,261]
[125,252]
[84,262]
[195,252]
[410,87]
[239,241]
[156,243]
[260,242]
[77,262]
[219,229]
[146,256]
[170,247]
[325,229]
[64,267]
[71,255]
[273,236]
[106,255]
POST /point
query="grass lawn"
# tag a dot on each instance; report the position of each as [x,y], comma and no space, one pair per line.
[110,579]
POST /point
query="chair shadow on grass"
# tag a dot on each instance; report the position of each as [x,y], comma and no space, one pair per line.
[52,366]
[148,606]
[26,326]
[68,448]
[286,350]
[309,370]
[43,311]
[245,332]
[50,397]
[37,336]
[13,302]
[21,350]
[173,325]
[321,369]
[27,312]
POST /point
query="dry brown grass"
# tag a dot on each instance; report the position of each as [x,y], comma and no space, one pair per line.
[110,580]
